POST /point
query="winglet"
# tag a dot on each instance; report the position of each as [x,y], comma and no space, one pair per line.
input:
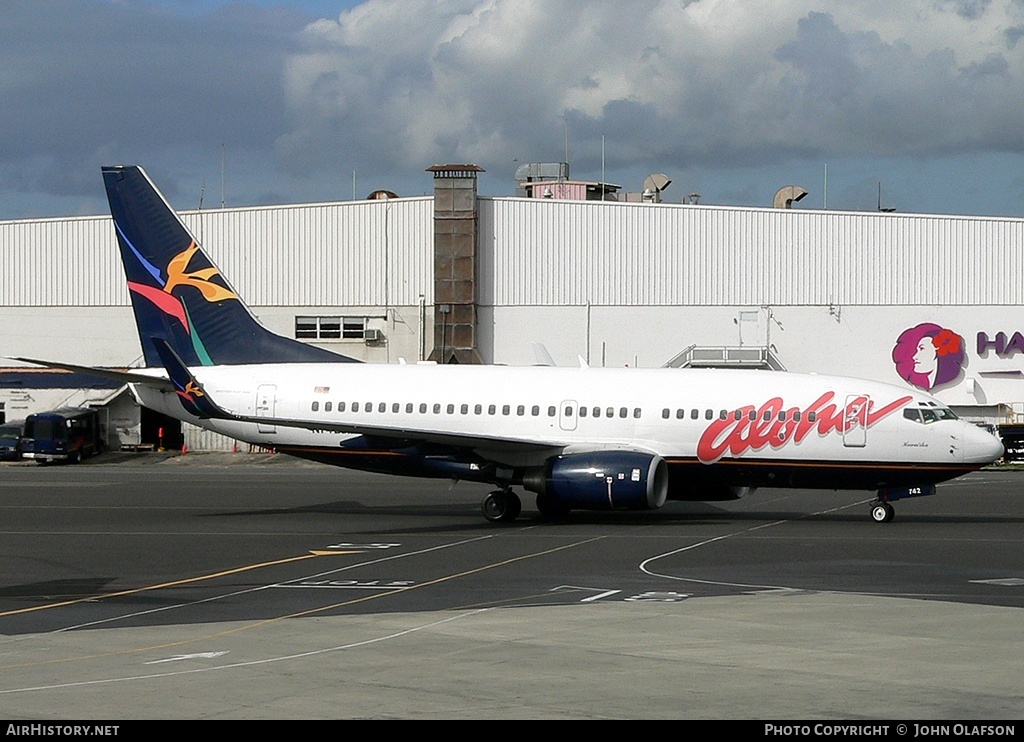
[190,392]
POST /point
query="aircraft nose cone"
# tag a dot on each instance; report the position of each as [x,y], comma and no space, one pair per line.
[980,446]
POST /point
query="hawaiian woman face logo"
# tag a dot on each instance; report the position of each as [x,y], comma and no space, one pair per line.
[929,356]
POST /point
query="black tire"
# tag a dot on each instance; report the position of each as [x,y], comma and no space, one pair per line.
[501,506]
[882,512]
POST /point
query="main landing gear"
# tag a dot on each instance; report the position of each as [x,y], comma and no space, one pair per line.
[502,506]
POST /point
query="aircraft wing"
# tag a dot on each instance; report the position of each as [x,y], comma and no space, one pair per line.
[462,440]
[126,377]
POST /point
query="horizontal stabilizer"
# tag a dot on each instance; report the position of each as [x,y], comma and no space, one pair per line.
[125,377]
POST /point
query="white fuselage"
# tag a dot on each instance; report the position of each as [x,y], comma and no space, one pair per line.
[519,416]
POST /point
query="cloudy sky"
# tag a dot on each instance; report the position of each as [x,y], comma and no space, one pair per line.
[730,98]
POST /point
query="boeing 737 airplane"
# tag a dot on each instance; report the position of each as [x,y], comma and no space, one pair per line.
[580,438]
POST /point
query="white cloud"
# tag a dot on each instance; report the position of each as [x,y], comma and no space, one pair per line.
[711,81]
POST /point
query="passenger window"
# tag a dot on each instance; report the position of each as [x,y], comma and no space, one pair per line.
[636,413]
[723,414]
[327,407]
[665,413]
[423,408]
[812,417]
[568,411]
[694,413]
[355,407]
[464,409]
[535,410]
[478,409]
[383,407]
[681,413]
[709,414]
[316,406]
[408,407]
[395,407]
[623,412]
[597,412]
[610,412]
[737,415]
[583,411]
[521,410]
[437,408]
[491,409]
[451,409]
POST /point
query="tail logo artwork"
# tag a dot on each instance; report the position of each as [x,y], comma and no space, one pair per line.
[163,298]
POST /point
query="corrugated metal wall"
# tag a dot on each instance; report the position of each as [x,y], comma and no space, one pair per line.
[574,253]
[545,252]
[317,255]
[324,255]
[60,262]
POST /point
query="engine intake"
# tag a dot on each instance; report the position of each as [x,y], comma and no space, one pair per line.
[602,480]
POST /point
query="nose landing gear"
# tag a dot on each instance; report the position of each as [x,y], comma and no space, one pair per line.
[882,512]
[881,509]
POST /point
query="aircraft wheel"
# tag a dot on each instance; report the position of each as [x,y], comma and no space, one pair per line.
[501,506]
[882,512]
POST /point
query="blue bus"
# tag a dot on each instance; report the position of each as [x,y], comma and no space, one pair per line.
[68,434]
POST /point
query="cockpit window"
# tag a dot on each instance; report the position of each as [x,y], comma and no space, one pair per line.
[929,414]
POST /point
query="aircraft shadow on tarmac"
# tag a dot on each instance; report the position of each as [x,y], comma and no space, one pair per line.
[70,589]
[673,513]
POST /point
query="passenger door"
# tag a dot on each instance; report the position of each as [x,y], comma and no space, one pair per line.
[855,428]
[266,405]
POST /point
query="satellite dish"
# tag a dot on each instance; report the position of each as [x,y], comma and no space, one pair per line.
[785,197]
[657,182]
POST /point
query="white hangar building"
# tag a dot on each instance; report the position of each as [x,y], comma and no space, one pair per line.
[929,301]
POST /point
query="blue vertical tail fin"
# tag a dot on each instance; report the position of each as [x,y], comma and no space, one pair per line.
[179,295]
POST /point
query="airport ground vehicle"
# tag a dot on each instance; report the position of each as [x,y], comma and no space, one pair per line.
[10,440]
[68,434]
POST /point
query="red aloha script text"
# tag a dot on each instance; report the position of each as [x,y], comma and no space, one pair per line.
[737,436]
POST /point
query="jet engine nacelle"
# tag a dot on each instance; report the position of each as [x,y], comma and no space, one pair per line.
[601,480]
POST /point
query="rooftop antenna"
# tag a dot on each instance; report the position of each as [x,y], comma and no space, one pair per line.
[886,210]
[565,119]
[221,176]
[202,194]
